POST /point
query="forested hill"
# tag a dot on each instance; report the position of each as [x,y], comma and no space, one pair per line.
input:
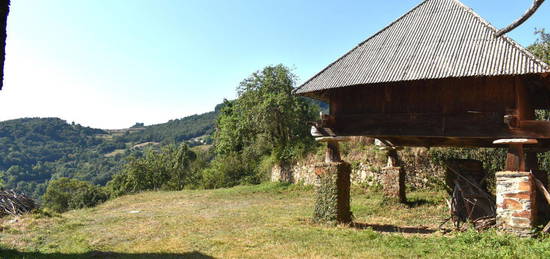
[36,150]
[174,131]
[31,140]
[32,150]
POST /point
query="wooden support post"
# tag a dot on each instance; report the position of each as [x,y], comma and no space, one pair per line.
[332,153]
[515,159]
[393,177]
[393,158]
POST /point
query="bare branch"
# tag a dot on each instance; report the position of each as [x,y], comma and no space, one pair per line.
[518,22]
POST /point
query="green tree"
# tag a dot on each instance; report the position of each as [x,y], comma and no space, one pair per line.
[66,194]
[168,169]
[541,48]
[266,121]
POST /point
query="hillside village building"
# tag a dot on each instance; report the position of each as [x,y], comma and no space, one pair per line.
[439,77]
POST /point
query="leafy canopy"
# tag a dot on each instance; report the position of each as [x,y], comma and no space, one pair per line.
[266,116]
[266,124]
[541,48]
[67,194]
[167,169]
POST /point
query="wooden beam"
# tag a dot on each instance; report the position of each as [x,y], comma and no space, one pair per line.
[466,125]
[515,141]
[536,127]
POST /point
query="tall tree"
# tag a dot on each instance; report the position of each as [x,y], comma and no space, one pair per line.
[266,118]
[541,49]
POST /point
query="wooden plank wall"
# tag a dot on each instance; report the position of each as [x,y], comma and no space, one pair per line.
[447,110]
[447,96]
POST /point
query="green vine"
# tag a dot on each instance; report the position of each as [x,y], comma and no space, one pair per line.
[332,200]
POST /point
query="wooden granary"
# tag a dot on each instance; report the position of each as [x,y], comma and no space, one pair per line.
[438,76]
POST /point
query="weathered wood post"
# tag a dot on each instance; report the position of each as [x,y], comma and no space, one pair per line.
[332,203]
[516,190]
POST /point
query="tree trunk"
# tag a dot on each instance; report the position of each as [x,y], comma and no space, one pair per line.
[522,19]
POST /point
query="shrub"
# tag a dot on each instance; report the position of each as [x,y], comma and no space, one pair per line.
[230,170]
[168,169]
[65,194]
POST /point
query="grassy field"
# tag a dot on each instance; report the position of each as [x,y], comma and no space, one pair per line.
[264,221]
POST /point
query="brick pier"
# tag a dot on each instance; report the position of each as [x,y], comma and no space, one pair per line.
[516,202]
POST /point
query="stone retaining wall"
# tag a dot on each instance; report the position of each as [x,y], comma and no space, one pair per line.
[361,173]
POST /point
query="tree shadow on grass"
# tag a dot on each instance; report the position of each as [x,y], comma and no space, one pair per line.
[8,253]
[393,229]
[417,203]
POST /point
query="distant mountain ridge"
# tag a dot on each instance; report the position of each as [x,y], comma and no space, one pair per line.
[174,131]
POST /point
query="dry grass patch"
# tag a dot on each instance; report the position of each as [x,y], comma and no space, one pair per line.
[268,221]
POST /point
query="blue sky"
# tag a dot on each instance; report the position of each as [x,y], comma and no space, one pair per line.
[111,63]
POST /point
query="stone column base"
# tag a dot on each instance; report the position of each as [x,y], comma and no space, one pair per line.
[332,204]
[516,202]
[393,183]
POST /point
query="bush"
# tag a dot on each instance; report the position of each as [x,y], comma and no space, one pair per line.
[65,194]
[168,169]
[230,170]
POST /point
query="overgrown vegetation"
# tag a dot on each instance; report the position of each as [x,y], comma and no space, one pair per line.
[541,48]
[65,194]
[176,131]
[170,168]
[33,151]
[266,124]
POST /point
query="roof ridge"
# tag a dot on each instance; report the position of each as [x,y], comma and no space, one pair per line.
[362,43]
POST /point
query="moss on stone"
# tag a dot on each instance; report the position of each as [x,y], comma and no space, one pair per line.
[332,203]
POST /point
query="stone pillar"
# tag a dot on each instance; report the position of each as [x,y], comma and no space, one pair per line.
[516,189]
[393,177]
[516,203]
[332,204]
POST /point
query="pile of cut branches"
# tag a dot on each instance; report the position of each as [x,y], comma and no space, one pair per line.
[13,203]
